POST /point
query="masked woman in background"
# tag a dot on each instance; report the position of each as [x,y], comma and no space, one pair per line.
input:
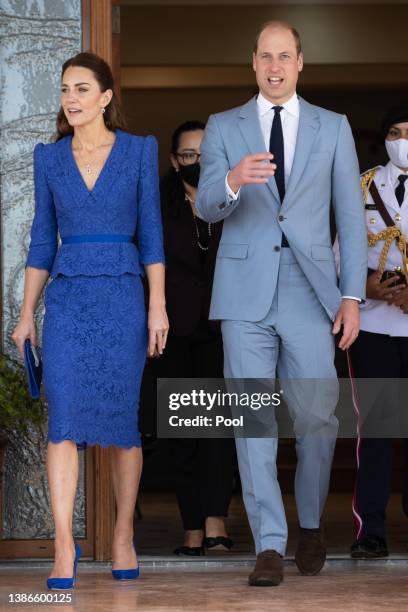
[203,468]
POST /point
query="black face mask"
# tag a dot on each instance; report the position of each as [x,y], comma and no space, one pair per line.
[190,174]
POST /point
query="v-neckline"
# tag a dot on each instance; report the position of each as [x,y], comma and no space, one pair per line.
[103,169]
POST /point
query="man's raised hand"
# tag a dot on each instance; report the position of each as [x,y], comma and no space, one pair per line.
[251,170]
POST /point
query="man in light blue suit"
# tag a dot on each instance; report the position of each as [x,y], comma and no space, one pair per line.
[272,169]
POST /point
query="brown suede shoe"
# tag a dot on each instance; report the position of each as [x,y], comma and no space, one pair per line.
[311,551]
[268,569]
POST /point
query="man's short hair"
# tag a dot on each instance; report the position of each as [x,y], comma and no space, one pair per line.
[282,24]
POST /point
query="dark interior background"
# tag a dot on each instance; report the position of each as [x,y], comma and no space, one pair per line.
[364,44]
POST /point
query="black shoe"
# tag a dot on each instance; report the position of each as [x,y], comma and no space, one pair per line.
[369,547]
[190,551]
[220,543]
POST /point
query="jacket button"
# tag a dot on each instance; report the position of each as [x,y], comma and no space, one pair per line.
[276,248]
[221,206]
[281,218]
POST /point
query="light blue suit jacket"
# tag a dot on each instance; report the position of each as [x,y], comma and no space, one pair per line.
[325,172]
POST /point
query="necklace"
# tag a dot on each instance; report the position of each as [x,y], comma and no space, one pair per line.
[200,246]
[89,166]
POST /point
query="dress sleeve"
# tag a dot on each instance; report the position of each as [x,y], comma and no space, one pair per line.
[149,223]
[44,230]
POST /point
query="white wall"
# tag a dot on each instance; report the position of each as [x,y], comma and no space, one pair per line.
[36,37]
[41,35]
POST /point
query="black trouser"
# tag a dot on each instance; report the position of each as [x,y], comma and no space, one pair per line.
[203,473]
[203,468]
[377,356]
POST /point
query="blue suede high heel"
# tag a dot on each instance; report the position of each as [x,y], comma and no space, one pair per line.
[126,574]
[66,583]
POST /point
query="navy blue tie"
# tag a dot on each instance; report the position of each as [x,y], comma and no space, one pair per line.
[276,147]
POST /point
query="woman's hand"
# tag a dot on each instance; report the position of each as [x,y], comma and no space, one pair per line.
[34,282]
[158,325]
[400,299]
[385,290]
[25,329]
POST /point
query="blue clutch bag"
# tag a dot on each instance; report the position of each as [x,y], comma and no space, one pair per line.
[33,365]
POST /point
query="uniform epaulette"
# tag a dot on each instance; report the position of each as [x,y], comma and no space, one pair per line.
[366,179]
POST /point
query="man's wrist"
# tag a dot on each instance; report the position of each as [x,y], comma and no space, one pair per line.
[351,298]
[233,185]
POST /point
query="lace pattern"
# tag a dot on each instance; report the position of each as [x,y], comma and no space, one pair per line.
[95,332]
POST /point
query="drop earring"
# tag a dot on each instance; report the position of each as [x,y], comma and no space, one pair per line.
[103,110]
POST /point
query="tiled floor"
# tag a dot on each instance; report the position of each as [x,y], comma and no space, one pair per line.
[362,587]
[219,583]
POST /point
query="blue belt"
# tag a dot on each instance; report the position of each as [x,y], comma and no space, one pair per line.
[96,238]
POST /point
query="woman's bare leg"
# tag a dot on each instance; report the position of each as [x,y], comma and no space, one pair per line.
[193,538]
[62,468]
[126,472]
[215,526]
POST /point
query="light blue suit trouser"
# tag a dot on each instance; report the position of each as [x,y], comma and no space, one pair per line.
[294,341]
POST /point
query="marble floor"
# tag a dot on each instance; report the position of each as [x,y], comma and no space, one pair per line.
[219,582]
[355,587]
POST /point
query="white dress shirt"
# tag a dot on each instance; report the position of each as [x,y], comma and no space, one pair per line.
[393,173]
[290,123]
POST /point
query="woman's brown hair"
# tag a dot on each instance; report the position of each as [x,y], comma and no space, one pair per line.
[101,70]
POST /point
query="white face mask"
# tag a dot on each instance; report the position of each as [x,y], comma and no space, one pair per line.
[398,152]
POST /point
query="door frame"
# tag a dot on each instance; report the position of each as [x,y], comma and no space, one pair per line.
[44,548]
[98,37]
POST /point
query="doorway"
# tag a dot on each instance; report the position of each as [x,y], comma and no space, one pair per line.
[172,63]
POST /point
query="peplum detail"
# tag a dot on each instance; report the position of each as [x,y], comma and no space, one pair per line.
[97,259]
[95,329]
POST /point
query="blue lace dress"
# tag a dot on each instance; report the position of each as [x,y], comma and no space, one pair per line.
[95,332]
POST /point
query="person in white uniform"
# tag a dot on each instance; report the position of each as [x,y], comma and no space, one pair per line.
[381,350]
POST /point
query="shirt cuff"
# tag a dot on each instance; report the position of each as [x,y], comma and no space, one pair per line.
[231,195]
[351,297]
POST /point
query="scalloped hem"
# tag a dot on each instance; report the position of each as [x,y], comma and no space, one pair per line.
[93,274]
[85,443]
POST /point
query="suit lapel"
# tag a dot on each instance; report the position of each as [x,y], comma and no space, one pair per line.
[252,134]
[307,131]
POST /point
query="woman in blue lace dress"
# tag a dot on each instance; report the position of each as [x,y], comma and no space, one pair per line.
[97,188]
